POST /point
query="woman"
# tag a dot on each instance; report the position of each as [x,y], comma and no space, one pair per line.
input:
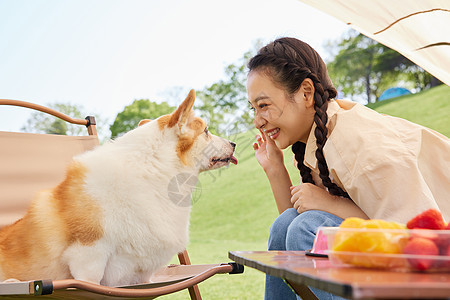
[353,161]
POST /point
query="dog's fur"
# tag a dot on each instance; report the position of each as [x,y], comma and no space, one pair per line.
[112,220]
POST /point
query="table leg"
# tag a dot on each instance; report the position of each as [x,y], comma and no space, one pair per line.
[302,290]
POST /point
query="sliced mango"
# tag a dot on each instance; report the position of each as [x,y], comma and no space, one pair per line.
[367,239]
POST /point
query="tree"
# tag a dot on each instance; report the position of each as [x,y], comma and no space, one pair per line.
[40,122]
[224,104]
[352,69]
[402,69]
[364,66]
[140,109]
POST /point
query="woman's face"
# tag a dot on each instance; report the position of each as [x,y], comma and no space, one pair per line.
[285,120]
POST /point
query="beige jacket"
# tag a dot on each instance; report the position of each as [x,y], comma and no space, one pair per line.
[391,168]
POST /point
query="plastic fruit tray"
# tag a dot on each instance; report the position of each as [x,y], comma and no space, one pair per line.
[416,250]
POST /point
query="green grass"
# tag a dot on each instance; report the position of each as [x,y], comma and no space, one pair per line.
[430,108]
[234,207]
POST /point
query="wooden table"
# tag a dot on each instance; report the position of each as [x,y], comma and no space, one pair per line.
[300,270]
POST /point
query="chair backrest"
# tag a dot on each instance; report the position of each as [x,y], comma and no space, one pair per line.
[31,162]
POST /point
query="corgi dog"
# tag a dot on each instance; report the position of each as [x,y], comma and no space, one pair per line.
[121,211]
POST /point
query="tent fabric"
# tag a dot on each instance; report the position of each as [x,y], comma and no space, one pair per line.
[418,29]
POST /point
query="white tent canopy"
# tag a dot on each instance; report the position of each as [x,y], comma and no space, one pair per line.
[418,29]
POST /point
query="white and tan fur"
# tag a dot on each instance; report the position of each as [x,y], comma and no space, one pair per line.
[111,221]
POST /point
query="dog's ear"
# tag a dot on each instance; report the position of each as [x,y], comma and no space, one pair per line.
[183,112]
[145,121]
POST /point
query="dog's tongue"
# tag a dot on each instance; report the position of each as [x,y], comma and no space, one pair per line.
[233,160]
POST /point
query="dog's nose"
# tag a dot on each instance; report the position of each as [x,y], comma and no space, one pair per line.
[233,145]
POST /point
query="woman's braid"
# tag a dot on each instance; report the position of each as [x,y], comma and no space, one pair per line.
[320,119]
[299,152]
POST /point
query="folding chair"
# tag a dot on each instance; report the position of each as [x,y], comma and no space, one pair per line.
[32,162]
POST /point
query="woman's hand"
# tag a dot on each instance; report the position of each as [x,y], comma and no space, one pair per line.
[270,157]
[307,196]
[267,153]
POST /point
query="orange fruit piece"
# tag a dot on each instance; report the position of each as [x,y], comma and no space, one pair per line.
[369,236]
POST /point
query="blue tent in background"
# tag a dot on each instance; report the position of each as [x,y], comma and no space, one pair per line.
[393,92]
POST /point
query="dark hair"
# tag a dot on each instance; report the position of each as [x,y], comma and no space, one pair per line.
[289,61]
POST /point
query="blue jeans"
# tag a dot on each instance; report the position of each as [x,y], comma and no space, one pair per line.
[294,231]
